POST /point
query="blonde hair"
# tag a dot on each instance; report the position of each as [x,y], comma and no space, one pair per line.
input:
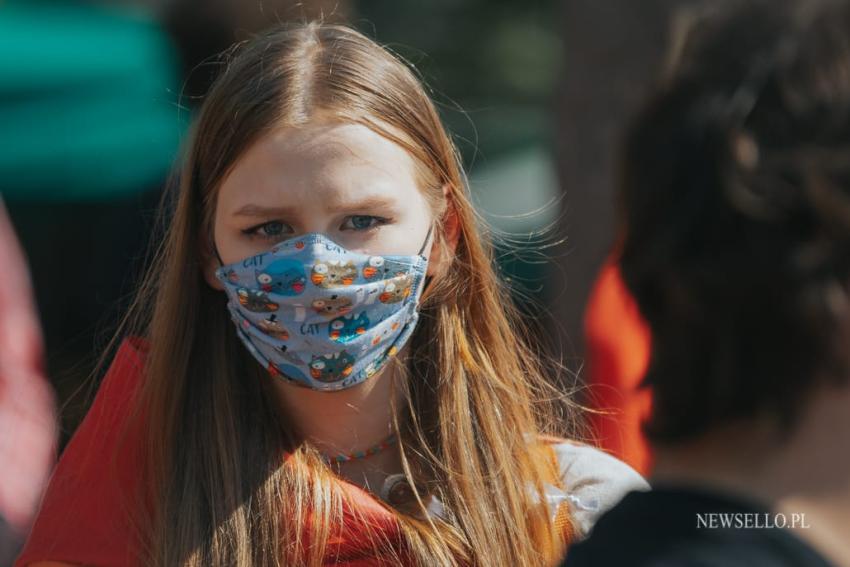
[475,389]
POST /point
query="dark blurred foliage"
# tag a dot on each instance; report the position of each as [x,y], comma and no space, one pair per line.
[494,64]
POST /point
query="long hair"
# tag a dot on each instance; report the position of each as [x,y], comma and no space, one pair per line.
[475,392]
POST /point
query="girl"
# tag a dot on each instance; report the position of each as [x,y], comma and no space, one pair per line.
[331,372]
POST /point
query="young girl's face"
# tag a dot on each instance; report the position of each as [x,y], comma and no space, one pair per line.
[342,180]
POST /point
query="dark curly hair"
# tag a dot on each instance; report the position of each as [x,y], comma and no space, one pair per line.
[735,202]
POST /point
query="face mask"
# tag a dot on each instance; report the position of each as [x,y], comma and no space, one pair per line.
[323,317]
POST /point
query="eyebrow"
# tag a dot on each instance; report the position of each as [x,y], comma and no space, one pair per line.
[251,210]
[366,204]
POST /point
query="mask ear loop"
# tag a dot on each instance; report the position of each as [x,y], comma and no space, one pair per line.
[428,279]
[427,237]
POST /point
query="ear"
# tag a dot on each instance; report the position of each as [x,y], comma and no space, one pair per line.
[209,276]
[441,256]
[209,263]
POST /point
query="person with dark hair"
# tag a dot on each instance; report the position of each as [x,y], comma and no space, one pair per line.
[735,199]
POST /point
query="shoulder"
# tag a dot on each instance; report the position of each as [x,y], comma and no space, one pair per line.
[126,367]
[594,481]
[83,515]
[113,402]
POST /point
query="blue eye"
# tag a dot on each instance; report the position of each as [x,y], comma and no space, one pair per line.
[269,230]
[363,222]
[273,228]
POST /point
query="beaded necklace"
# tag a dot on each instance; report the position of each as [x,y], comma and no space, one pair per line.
[358,455]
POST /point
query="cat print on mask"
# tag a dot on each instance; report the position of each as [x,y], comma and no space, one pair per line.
[273,328]
[282,277]
[333,273]
[397,289]
[309,295]
[332,306]
[380,268]
[346,328]
[388,332]
[331,367]
[256,301]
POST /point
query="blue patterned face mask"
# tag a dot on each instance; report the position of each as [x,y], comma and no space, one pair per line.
[323,317]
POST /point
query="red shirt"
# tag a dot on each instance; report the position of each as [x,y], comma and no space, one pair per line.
[85,517]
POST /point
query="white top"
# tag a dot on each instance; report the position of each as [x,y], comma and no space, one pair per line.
[594,482]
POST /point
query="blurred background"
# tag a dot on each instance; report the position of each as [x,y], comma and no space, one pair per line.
[96,98]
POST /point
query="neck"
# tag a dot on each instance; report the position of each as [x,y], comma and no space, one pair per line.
[808,473]
[346,421]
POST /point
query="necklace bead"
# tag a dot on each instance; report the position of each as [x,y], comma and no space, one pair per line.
[358,455]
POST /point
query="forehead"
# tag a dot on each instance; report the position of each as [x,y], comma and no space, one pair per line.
[318,162]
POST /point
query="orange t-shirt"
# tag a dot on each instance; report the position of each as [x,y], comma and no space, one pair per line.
[618,347]
[85,516]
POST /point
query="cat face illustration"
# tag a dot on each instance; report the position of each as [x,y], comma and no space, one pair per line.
[397,289]
[379,363]
[387,332]
[332,306]
[331,367]
[271,327]
[379,268]
[283,277]
[345,329]
[333,274]
[255,301]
